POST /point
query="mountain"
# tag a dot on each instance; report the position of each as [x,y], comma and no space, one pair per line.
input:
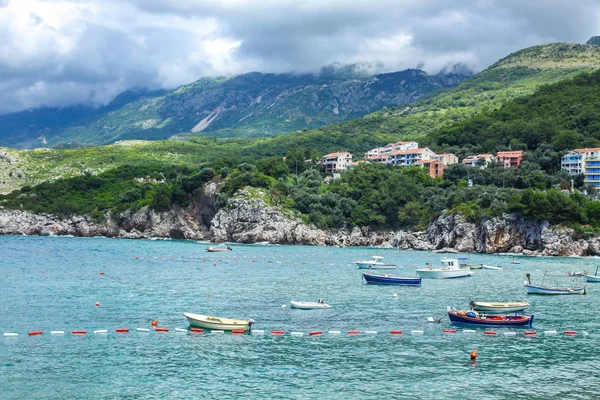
[249,105]
[594,40]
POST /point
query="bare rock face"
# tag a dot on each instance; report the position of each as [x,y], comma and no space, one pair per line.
[558,241]
[452,231]
[508,233]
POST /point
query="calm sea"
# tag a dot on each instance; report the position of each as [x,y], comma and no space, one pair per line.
[53,283]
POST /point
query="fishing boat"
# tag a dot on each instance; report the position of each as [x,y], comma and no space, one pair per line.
[218,323]
[390,280]
[221,248]
[450,269]
[463,317]
[309,305]
[576,288]
[593,278]
[499,307]
[464,264]
[375,263]
[492,267]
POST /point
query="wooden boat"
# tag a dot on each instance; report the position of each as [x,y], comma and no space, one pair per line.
[554,290]
[593,278]
[463,263]
[499,307]
[474,266]
[219,249]
[375,263]
[217,323]
[390,280]
[492,267]
[474,318]
[309,305]
[450,269]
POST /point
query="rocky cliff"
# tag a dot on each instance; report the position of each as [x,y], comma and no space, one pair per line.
[251,220]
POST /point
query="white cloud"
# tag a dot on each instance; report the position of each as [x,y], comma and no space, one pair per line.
[65,52]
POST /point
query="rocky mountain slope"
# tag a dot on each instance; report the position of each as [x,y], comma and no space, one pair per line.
[248,105]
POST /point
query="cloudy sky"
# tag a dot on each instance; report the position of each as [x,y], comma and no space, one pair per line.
[65,52]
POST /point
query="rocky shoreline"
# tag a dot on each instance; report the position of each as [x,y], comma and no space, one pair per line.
[251,220]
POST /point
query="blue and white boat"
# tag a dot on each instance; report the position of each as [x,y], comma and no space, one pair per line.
[375,263]
[390,280]
[593,278]
[553,290]
[474,318]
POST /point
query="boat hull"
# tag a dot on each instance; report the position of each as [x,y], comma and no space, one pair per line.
[491,267]
[500,307]
[473,266]
[592,278]
[372,265]
[506,321]
[308,305]
[211,250]
[530,289]
[214,323]
[391,280]
[439,273]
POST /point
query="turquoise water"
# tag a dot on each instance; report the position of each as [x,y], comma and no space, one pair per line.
[53,283]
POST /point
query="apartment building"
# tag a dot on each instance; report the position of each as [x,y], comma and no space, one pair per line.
[380,154]
[336,162]
[446,158]
[434,168]
[583,161]
[473,161]
[406,158]
[510,159]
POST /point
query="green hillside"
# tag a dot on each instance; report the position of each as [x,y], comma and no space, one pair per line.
[249,105]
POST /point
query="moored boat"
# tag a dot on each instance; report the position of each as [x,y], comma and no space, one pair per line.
[555,290]
[450,269]
[391,280]
[492,267]
[309,305]
[499,307]
[474,318]
[514,261]
[217,323]
[464,264]
[221,248]
[375,263]
[593,278]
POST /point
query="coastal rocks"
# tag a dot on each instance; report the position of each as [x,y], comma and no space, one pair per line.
[412,240]
[452,231]
[508,233]
[558,241]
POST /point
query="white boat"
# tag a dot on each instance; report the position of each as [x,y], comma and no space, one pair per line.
[593,278]
[221,248]
[544,288]
[499,307]
[309,305]
[450,268]
[375,263]
[493,267]
[217,323]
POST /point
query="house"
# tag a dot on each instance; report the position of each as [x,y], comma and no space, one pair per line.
[583,161]
[434,168]
[336,162]
[510,159]
[406,158]
[474,161]
[380,154]
[446,158]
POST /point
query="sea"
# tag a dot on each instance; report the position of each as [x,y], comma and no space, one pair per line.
[55,283]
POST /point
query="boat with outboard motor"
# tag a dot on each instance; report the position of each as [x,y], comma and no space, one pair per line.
[499,307]
[492,267]
[218,323]
[575,288]
[220,248]
[375,263]
[464,264]
[388,279]
[450,268]
[464,317]
[309,305]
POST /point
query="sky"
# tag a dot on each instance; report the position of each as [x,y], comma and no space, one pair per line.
[59,53]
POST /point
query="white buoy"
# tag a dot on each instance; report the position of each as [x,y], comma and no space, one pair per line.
[217,331]
[258,331]
[283,306]
[585,334]
[57,332]
[371,332]
[430,319]
[335,332]
[9,334]
[416,332]
[297,333]
[510,333]
[468,331]
[101,331]
[180,330]
[142,329]
[550,332]
[395,295]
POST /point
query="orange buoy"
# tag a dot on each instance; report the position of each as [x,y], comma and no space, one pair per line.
[101,272]
[197,330]
[79,332]
[155,322]
[161,329]
[97,304]
[34,333]
[474,354]
[396,332]
[238,331]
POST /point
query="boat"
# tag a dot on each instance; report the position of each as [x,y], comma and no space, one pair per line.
[593,278]
[390,280]
[554,290]
[492,267]
[375,263]
[221,248]
[450,269]
[463,317]
[309,305]
[266,243]
[499,307]
[514,261]
[218,323]
[464,264]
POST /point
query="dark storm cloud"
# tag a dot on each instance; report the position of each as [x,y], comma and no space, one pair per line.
[63,52]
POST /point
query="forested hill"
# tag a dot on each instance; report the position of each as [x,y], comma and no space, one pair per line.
[249,105]
[564,115]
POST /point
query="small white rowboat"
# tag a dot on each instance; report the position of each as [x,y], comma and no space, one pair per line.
[308,305]
[500,307]
[217,323]
[492,267]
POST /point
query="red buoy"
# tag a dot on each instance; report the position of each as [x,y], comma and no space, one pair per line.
[161,329]
[79,332]
[238,331]
[353,332]
[122,330]
[530,333]
[570,332]
[489,332]
[313,333]
[197,330]
[449,330]
[396,332]
[34,333]
[277,332]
